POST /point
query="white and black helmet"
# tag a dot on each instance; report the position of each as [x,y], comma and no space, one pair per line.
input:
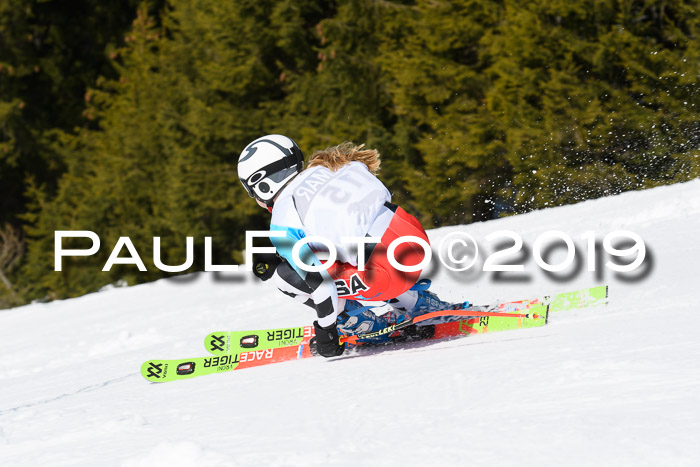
[267,164]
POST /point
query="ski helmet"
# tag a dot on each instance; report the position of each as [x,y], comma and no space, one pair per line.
[266,166]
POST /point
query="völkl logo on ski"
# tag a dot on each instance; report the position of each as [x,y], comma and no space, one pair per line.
[217,342]
[155,370]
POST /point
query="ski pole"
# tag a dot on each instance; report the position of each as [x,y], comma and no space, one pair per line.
[435,314]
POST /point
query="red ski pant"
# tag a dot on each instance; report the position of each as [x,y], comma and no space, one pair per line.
[380,281]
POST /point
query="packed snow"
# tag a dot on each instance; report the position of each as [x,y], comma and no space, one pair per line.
[614,385]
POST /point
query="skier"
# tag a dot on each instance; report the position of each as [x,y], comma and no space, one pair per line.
[335,198]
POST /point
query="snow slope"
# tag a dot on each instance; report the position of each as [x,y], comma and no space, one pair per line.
[618,385]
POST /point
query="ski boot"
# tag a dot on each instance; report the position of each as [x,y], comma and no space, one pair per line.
[359,319]
[426,302]
[429,301]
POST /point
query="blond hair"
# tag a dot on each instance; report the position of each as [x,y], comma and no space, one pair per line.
[336,157]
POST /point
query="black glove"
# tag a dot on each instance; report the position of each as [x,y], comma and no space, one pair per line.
[264,265]
[327,342]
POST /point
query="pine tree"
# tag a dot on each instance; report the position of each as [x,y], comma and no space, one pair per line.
[589,99]
[49,55]
[334,91]
[453,156]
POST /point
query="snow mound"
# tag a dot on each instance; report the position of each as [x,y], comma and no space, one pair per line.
[615,385]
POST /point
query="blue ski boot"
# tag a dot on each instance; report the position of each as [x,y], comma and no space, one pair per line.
[425,302]
[359,319]
[428,301]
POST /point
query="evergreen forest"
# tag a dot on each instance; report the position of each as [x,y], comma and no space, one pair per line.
[127,118]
